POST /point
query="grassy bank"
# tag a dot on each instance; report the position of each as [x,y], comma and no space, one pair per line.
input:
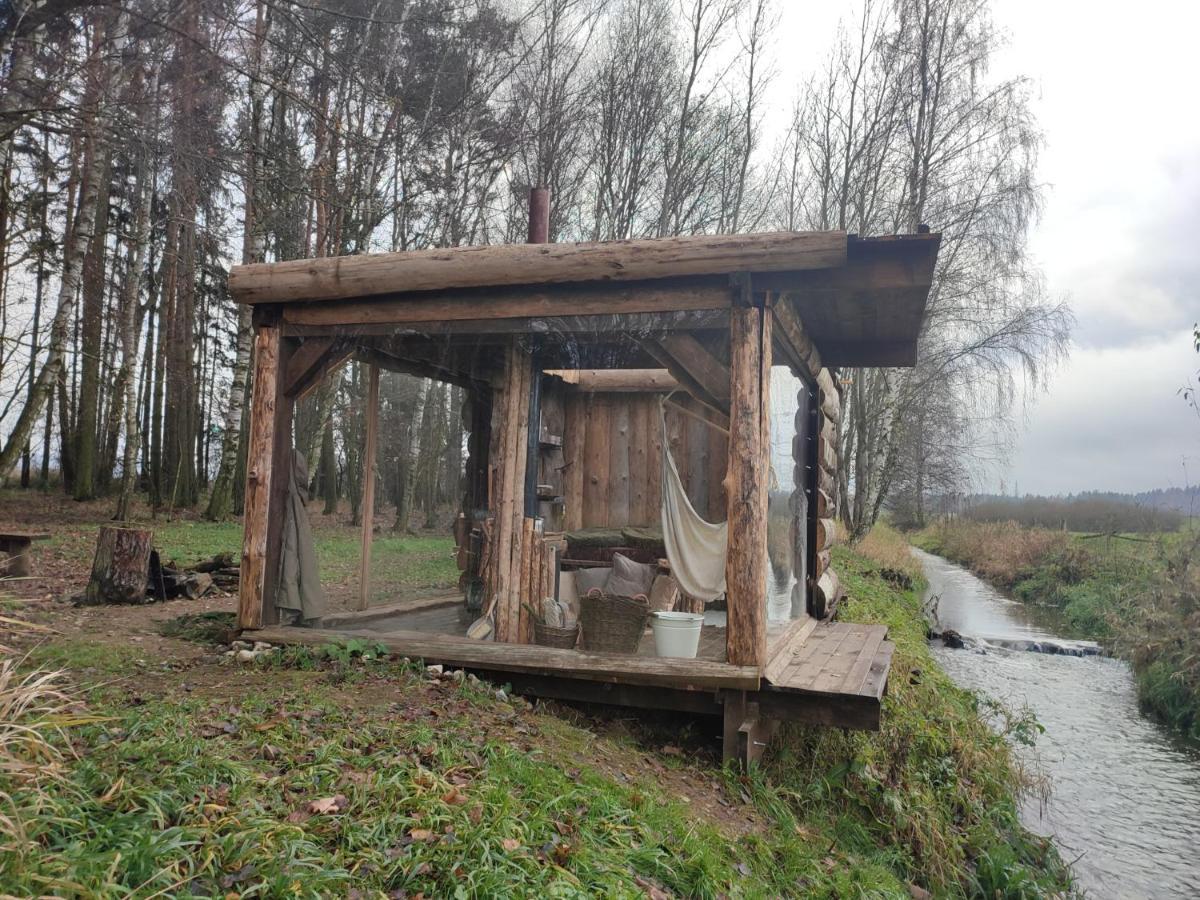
[1134,593]
[179,776]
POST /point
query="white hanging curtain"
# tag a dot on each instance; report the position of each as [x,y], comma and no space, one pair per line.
[695,548]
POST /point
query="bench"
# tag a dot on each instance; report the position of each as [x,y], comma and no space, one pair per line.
[14,552]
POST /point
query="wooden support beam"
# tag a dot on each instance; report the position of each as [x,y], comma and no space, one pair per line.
[697,371]
[282,460]
[618,381]
[746,485]
[419,368]
[513,264]
[496,305]
[305,362]
[593,325]
[259,471]
[368,499]
[790,329]
[509,501]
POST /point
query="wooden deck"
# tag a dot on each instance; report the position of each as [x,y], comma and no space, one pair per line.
[820,673]
[831,673]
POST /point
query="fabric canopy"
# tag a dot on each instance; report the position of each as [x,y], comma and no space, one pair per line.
[695,548]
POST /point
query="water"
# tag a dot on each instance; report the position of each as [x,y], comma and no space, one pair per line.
[1126,795]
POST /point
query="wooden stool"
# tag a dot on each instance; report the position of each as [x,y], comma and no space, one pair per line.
[14,552]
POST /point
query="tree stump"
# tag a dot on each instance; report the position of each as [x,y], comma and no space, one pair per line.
[121,566]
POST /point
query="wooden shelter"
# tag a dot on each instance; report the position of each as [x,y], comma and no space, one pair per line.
[564,351]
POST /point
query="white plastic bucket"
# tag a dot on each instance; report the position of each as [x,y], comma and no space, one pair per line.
[676,633]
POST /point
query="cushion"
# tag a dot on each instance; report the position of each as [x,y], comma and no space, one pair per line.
[629,578]
[591,577]
[663,594]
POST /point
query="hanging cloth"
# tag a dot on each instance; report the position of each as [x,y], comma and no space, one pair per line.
[299,596]
[695,548]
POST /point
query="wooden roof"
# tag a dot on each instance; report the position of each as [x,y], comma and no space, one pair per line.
[861,299]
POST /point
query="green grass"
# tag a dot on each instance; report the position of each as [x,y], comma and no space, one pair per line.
[445,790]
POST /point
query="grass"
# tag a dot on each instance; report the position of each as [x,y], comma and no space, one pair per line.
[319,774]
[1134,593]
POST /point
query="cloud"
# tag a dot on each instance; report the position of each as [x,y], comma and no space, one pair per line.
[1114,420]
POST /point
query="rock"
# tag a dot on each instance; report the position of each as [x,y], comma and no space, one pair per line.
[501,696]
[435,671]
[229,654]
[472,680]
[246,656]
[261,645]
[953,639]
[241,645]
[458,676]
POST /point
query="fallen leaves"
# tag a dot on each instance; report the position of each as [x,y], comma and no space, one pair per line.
[324,806]
[510,845]
[328,805]
[454,797]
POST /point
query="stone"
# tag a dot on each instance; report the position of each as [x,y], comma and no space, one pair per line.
[435,671]
[501,696]
[458,675]
[241,645]
[246,656]
[261,645]
[952,639]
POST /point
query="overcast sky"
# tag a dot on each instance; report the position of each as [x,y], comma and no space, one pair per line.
[1116,94]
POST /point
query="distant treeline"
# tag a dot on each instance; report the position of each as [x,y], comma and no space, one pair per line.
[1089,512]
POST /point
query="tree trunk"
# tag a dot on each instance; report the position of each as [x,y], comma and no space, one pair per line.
[128,335]
[404,502]
[220,501]
[91,337]
[74,248]
[121,566]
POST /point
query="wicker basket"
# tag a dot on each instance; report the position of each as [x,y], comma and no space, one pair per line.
[552,636]
[612,624]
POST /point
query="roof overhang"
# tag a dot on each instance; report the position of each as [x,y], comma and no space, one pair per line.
[861,300]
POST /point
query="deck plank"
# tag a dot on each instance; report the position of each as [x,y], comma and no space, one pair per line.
[833,677]
[834,659]
[861,668]
[699,674]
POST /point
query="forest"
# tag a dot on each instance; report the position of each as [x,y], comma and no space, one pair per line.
[147,146]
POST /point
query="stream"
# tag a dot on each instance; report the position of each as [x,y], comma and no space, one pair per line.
[1125,801]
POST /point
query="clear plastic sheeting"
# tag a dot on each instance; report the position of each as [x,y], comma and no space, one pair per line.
[787,507]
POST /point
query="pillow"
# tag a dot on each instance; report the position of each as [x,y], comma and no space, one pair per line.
[629,578]
[593,577]
[663,594]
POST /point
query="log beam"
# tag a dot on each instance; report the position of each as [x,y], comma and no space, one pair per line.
[514,264]
[746,485]
[269,412]
[618,381]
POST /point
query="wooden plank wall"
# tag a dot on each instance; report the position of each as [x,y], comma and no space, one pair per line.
[612,452]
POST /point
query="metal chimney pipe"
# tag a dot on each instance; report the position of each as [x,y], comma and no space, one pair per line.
[539,215]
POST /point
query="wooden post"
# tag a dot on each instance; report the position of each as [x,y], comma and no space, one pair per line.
[259,468]
[746,485]
[368,500]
